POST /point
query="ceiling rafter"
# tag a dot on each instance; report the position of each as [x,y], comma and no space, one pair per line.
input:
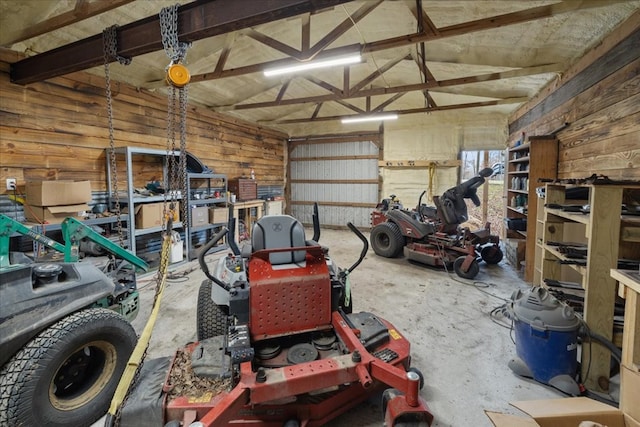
[351,106]
[316,111]
[336,91]
[379,72]
[492,22]
[404,112]
[82,10]
[282,91]
[388,102]
[224,54]
[308,53]
[403,88]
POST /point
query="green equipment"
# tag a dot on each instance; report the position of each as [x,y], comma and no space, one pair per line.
[65,336]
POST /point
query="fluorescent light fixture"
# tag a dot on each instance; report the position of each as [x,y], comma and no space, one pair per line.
[312,65]
[374,118]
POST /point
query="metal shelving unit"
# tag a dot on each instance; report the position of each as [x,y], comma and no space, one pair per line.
[130,198]
[206,197]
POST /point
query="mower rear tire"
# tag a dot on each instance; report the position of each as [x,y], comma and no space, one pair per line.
[66,375]
[472,272]
[491,254]
[387,239]
[211,319]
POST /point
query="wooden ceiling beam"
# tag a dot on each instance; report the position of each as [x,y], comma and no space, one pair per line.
[331,88]
[380,71]
[352,107]
[498,21]
[433,84]
[197,20]
[283,89]
[343,27]
[273,43]
[404,112]
[82,10]
[388,102]
[224,54]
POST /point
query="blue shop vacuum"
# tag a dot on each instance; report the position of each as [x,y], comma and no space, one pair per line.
[546,332]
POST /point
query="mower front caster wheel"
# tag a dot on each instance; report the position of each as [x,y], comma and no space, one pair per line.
[472,272]
[491,254]
[415,419]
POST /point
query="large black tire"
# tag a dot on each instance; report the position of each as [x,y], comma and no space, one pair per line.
[66,376]
[491,254]
[210,318]
[387,239]
[472,272]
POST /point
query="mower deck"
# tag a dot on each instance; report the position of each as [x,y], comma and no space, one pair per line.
[334,370]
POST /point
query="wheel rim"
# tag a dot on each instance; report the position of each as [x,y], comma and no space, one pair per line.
[82,375]
[383,240]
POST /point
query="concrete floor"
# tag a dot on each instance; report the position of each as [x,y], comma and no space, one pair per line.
[462,353]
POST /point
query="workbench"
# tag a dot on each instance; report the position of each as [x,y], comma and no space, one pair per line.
[243,211]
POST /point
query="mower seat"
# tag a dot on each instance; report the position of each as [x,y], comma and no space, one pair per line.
[276,232]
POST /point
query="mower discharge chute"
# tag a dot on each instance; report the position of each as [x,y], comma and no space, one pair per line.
[276,323]
[432,235]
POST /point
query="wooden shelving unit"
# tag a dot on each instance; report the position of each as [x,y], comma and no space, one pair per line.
[600,230]
[534,159]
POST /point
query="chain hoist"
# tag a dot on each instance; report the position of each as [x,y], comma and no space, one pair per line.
[110,49]
[177,77]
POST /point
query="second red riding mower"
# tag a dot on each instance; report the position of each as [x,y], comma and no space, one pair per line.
[279,341]
[432,235]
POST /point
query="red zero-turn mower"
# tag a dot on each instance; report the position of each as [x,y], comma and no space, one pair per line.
[432,235]
[276,323]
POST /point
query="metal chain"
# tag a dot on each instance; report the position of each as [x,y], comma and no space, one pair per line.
[171,180]
[184,98]
[175,50]
[110,50]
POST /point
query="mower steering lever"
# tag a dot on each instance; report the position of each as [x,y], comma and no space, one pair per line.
[365,246]
[203,265]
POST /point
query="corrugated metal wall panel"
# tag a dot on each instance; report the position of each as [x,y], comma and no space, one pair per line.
[336,200]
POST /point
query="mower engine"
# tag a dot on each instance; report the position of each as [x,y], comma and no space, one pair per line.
[279,341]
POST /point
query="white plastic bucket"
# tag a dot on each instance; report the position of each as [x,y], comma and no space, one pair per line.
[176,248]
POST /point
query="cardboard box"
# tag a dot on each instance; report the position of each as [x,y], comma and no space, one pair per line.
[149,215]
[570,412]
[58,193]
[218,215]
[54,214]
[199,216]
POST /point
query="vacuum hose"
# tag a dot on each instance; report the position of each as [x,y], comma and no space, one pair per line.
[586,334]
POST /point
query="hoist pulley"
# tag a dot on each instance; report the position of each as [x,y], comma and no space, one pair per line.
[178,75]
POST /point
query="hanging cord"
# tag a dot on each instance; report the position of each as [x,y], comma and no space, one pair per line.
[432,180]
[110,49]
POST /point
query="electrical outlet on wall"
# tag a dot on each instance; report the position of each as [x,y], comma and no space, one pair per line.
[11,183]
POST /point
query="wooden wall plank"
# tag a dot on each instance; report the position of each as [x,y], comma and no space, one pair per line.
[57,129]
